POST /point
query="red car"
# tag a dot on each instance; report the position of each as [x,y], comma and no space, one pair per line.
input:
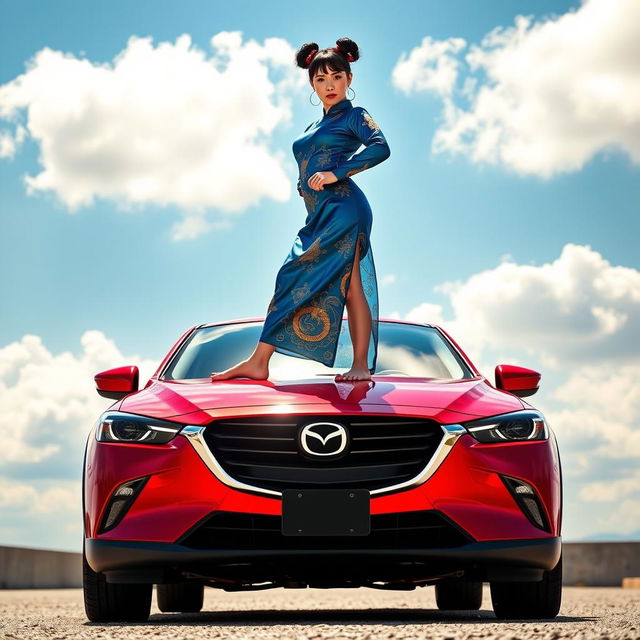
[428,474]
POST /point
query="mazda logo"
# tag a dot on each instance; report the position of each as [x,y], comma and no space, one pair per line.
[323,439]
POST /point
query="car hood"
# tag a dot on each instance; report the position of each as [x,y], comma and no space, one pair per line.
[197,401]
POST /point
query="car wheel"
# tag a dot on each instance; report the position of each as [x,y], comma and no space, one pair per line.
[185,597]
[108,602]
[529,599]
[453,593]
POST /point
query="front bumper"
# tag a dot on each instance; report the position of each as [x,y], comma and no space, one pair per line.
[157,562]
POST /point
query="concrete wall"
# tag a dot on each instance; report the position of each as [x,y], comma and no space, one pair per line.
[600,564]
[39,568]
[584,563]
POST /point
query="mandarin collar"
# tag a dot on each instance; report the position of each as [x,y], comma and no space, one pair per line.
[338,106]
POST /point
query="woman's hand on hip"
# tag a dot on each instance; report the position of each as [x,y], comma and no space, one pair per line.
[320,178]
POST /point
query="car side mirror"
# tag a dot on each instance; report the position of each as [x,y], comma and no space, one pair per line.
[117,383]
[520,381]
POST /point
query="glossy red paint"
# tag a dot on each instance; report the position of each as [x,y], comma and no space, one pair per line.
[174,398]
[120,379]
[512,378]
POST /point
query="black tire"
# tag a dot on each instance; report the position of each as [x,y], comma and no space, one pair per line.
[527,600]
[107,602]
[455,594]
[185,597]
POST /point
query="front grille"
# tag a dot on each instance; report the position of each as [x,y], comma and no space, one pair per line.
[407,530]
[264,452]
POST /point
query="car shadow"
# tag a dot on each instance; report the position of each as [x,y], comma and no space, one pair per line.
[387,616]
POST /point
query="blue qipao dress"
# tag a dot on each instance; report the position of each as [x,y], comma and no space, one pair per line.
[304,317]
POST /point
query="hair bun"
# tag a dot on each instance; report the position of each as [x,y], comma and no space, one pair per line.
[348,48]
[305,54]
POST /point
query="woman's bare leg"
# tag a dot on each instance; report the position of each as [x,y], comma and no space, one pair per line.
[256,366]
[359,318]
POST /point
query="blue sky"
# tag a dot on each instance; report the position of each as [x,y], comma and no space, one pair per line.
[514,181]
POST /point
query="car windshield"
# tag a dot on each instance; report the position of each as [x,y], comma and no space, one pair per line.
[403,350]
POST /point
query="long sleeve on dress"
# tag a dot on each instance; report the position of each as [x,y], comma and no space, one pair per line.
[365,129]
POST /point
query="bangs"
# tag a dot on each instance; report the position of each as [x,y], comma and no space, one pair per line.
[328,62]
[325,67]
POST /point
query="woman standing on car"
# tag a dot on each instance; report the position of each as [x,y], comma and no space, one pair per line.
[330,264]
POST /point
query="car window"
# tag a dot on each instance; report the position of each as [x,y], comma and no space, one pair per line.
[403,349]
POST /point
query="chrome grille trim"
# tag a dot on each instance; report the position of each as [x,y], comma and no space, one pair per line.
[195,436]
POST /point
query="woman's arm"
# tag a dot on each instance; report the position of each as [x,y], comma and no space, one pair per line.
[363,126]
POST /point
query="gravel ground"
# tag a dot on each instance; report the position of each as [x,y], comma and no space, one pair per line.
[586,612]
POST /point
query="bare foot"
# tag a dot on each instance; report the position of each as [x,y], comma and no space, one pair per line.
[244,369]
[357,372]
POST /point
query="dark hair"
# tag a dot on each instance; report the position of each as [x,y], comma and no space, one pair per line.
[330,58]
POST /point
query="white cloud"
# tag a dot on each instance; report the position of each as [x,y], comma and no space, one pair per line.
[49,401]
[194,225]
[624,518]
[613,490]
[599,417]
[578,309]
[426,312]
[430,66]
[24,498]
[164,125]
[543,97]
[387,280]
[41,513]
[9,143]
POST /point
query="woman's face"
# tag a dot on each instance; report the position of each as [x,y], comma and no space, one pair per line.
[331,86]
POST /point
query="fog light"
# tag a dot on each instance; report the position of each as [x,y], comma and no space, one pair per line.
[124,490]
[524,488]
[528,501]
[121,500]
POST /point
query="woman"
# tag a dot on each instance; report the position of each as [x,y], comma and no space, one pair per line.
[330,264]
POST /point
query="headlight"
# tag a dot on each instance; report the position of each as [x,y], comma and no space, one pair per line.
[116,426]
[509,427]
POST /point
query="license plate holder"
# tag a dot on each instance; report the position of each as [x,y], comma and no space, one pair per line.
[326,512]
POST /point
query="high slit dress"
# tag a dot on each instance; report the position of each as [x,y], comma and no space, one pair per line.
[304,316]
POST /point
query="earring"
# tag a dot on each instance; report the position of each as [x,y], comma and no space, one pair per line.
[315,105]
[354,93]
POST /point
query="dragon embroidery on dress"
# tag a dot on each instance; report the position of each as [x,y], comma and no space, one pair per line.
[303,166]
[354,171]
[324,158]
[310,199]
[305,161]
[311,256]
[344,245]
[306,321]
[342,189]
[344,280]
[314,327]
[370,122]
[300,293]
